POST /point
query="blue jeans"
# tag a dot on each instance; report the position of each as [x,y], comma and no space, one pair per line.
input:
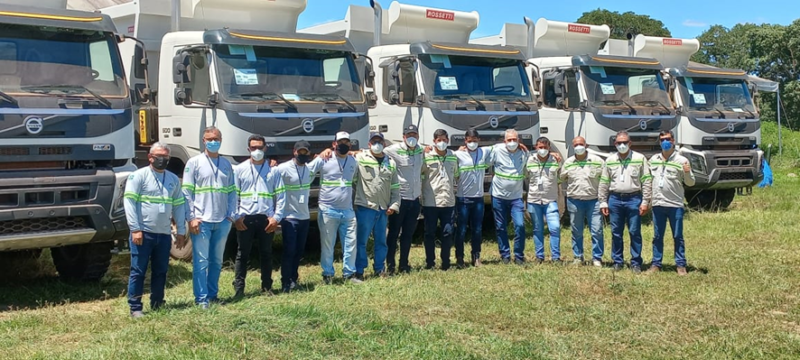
[332,222]
[675,216]
[505,211]
[549,213]
[294,233]
[470,215]
[368,222]
[438,220]
[405,220]
[207,249]
[154,247]
[624,209]
[586,210]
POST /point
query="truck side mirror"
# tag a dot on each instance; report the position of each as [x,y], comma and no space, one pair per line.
[183,96]
[372,99]
[369,75]
[181,65]
[140,62]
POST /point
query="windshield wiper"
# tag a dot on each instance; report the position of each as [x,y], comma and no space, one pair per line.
[633,110]
[654,102]
[8,98]
[279,96]
[477,101]
[352,107]
[97,96]
[526,106]
[715,108]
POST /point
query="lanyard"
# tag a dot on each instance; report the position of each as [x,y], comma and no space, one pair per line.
[342,166]
[475,159]
[216,166]
[256,176]
[299,177]
[160,184]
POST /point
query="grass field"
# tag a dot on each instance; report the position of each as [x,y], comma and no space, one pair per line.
[740,300]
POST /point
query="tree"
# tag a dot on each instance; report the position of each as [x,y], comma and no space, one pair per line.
[620,24]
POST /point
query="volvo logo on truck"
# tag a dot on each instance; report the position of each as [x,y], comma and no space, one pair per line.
[308,125]
[643,124]
[494,122]
[731,127]
[34,125]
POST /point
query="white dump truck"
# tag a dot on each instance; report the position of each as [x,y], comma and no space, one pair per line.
[66,131]
[582,93]
[239,65]
[719,129]
[427,74]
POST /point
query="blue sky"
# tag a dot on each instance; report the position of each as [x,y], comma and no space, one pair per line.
[685,19]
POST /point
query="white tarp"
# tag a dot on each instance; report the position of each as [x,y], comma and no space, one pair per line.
[763,84]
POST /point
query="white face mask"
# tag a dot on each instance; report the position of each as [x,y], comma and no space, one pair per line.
[257,155]
[472,146]
[441,145]
[622,148]
[512,145]
[580,150]
[411,142]
[543,152]
[376,148]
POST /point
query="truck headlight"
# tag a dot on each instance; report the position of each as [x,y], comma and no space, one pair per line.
[118,206]
[698,163]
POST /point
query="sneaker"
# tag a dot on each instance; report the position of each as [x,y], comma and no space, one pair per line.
[327,279]
[445,266]
[293,285]
[636,269]
[460,263]
[506,261]
[653,269]
[217,301]
[429,266]
[239,294]
[618,267]
[203,306]
[359,276]
[577,262]
[405,270]
[519,261]
[137,314]
[354,280]
[682,271]
[557,262]
[538,261]
[390,270]
[267,292]
[597,263]
[476,263]
[286,289]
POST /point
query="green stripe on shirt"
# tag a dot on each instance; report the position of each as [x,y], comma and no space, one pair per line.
[510,176]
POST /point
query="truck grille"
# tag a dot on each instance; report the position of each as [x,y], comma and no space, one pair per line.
[736,176]
[734,162]
[44,224]
[55,150]
[14,151]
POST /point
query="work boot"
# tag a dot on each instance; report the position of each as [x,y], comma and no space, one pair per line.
[239,293]
[653,269]
[460,263]
[267,292]
[618,267]
[506,261]
[327,280]
[636,269]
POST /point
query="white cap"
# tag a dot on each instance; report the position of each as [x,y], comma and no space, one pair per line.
[342,135]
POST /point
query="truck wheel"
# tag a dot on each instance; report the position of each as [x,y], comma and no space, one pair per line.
[184,254]
[85,262]
[710,199]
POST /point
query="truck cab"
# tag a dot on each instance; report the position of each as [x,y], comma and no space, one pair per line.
[583,93]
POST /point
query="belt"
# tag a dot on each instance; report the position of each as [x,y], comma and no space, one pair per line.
[626,195]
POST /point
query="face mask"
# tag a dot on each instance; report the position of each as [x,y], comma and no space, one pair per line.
[303,159]
[512,145]
[343,149]
[376,148]
[622,148]
[411,142]
[666,145]
[472,146]
[213,146]
[542,152]
[160,162]
[441,145]
[257,154]
[580,150]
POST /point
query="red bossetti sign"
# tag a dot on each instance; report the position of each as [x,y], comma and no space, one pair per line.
[579,29]
[440,15]
[672,42]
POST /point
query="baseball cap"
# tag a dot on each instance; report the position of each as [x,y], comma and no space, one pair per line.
[410,129]
[373,135]
[302,144]
[341,135]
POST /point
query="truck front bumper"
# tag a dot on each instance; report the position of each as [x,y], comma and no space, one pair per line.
[725,169]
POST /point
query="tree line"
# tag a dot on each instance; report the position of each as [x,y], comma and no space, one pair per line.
[769,51]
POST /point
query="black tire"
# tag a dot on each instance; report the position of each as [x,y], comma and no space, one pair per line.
[85,262]
[710,200]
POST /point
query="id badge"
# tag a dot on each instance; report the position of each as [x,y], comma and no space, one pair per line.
[302,199]
[255,196]
[661,181]
[540,181]
[341,183]
[162,208]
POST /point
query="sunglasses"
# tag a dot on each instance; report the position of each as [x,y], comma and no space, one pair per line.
[622,142]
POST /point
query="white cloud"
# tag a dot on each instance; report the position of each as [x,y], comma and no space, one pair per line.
[694,23]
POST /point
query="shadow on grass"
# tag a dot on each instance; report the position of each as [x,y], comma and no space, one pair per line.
[34,284]
[689,268]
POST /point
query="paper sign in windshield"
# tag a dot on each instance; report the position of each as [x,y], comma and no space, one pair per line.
[246,76]
[448,83]
[607,89]
[699,98]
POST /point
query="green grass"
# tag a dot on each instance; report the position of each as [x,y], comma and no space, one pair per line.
[790,159]
[740,300]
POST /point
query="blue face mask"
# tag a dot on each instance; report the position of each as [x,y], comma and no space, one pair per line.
[213,146]
[666,145]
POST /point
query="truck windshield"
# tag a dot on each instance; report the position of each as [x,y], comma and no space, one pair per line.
[707,94]
[46,60]
[470,77]
[624,87]
[258,73]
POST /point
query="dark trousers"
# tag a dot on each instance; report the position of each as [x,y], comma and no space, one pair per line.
[405,220]
[154,247]
[294,233]
[470,216]
[438,220]
[256,225]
